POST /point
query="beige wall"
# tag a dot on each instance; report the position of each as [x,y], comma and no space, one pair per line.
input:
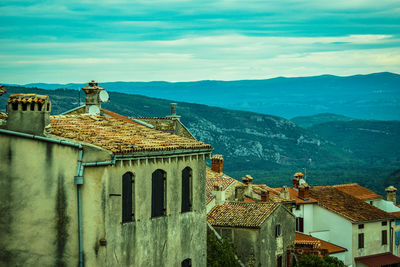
[372,239]
[38,222]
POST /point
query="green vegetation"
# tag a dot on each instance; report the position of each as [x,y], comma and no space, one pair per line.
[316,261]
[220,253]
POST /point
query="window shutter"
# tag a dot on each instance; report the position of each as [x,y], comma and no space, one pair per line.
[158,193]
[384,237]
[127,197]
[186,183]
[397,237]
[301,225]
[361,240]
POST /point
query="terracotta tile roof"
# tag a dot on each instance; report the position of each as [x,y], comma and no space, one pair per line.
[274,195]
[395,214]
[303,239]
[382,259]
[118,136]
[357,191]
[346,205]
[27,98]
[244,215]
[214,177]
[294,195]
[166,124]
[118,116]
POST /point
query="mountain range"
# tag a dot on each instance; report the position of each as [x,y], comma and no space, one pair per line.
[330,148]
[373,96]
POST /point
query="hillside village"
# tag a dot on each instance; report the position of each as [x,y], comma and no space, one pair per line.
[91,187]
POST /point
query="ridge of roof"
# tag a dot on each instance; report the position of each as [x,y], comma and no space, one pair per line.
[301,238]
[358,191]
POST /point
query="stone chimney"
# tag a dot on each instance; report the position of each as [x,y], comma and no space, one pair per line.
[240,192]
[92,97]
[173,115]
[28,113]
[285,194]
[264,196]
[391,194]
[219,194]
[217,163]
[304,190]
[296,179]
[248,181]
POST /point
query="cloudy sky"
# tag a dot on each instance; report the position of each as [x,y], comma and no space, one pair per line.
[177,40]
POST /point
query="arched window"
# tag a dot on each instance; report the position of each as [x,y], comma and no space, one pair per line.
[158,193]
[187,189]
[186,263]
[128,196]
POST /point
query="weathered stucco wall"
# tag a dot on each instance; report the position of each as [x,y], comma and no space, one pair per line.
[160,241]
[271,247]
[38,222]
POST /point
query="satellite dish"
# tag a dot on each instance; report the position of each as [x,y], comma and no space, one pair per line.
[104,97]
[94,110]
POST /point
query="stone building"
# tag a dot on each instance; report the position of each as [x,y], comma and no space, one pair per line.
[262,232]
[98,190]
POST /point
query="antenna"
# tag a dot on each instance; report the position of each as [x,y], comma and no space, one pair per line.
[94,110]
[104,97]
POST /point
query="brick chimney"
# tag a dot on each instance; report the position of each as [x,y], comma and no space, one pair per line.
[219,194]
[92,97]
[285,194]
[217,163]
[28,113]
[264,196]
[296,179]
[391,194]
[304,190]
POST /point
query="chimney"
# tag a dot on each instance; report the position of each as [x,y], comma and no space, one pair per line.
[285,194]
[219,194]
[391,194]
[304,190]
[173,115]
[240,192]
[217,163]
[28,113]
[296,179]
[264,196]
[248,181]
[92,98]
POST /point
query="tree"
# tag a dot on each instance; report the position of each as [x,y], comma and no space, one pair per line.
[317,261]
[220,253]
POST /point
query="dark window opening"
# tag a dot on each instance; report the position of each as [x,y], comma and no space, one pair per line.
[158,193]
[361,240]
[40,105]
[361,226]
[127,197]
[24,106]
[279,261]
[278,231]
[14,106]
[384,223]
[187,189]
[384,237]
[187,263]
[32,106]
[48,107]
[300,224]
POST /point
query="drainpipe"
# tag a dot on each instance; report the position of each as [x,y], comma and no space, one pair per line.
[78,179]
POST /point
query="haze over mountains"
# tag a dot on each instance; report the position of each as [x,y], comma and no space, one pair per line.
[333,148]
[373,96]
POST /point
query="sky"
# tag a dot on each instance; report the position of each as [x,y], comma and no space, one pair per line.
[177,40]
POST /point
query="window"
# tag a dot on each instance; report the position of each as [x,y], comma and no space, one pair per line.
[279,261]
[297,207]
[158,193]
[187,189]
[187,263]
[127,197]
[361,240]
[397,238]
[300,224]
[384,223]
[361,226]
[384,237]
[278,230]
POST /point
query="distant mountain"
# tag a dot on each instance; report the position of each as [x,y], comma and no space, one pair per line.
[308,121]
[374,142]
[373,96]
